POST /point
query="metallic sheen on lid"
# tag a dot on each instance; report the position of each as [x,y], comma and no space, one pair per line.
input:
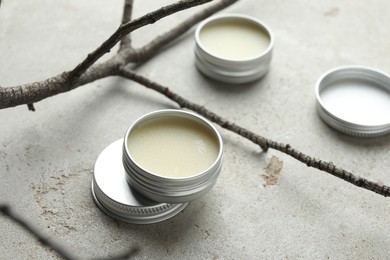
[113,195]
[355,100]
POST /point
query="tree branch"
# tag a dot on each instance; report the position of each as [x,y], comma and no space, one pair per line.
[148,50]
[37,91]
[33,92]
[127,28]
[263,142]
[126,17]
[88,71]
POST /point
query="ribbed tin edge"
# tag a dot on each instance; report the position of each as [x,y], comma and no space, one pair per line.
[231,70]
[173,191]
[229,75]
[342,127]
[170,189]
[135,208]
[351,72]
[156,215]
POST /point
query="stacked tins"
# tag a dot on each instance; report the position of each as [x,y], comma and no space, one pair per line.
[169,157]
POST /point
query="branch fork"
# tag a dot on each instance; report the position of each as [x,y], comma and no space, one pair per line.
[88,71]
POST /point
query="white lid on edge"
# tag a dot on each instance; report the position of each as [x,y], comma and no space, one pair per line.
[114,196]
[355,100]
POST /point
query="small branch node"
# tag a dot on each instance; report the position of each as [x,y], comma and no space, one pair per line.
[31,107]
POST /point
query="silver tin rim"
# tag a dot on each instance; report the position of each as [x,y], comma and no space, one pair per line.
[131,207]
[171,189]
[345,126]
[233,70]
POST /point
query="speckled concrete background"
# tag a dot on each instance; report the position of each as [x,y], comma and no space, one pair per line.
[47,157]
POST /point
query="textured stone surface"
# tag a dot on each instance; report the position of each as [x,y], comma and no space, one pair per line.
[47,157]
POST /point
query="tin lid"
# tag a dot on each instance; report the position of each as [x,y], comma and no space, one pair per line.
[116,198]
[355,100]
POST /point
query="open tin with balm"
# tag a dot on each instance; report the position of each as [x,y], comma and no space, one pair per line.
[166,159]
[355,100]
[233,48]
[172,156]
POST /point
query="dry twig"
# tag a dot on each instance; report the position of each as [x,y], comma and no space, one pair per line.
[126,17]
[88,71]
[85,72]
[263,142]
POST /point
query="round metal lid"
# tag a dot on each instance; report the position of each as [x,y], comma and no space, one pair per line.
[355,100]
[116,198]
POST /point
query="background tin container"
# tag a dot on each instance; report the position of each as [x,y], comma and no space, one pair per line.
[171,189]
[233,70]
[112,194]
[360,105]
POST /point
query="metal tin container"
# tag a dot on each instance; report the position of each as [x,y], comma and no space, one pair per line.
[235,68]
[172,189]
[116,198]
[355,100]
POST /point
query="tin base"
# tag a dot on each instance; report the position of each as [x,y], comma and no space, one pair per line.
[112,194]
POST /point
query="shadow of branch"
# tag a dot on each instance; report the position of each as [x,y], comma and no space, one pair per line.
[47,241]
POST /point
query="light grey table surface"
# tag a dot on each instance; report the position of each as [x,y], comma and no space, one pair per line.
[47,156]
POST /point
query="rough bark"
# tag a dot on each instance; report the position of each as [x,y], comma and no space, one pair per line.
[263,142]
[88,71]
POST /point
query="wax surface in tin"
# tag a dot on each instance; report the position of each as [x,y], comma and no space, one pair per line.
[234,39]
[357,101]
[173,147]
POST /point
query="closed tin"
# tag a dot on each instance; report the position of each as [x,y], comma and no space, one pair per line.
[355,100]
[163,187]
[113,195]
[233,48]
